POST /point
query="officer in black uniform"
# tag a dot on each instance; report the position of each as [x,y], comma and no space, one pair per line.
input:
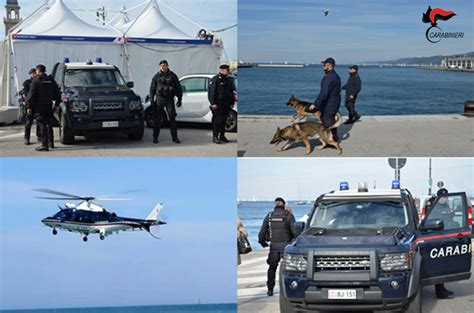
[43,91]
[29,117]
[329,98]
[277,228]
[441,291]
[164,87]
[221,97]
[352,88]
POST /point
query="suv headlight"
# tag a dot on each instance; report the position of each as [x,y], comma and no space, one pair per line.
[78,106]
[395,262]
[135,105]
[294,263]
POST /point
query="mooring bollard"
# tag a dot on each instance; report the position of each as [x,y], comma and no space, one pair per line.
[469,107]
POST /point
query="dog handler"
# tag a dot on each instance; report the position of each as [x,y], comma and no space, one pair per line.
[329,98]
[277,228]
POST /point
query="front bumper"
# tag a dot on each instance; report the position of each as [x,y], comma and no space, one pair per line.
[80,123]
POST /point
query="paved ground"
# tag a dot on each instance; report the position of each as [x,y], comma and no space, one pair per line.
[196,142]
[373,136]
[251,292]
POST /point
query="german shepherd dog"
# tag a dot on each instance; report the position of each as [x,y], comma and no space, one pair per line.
[303,131]
[301,108]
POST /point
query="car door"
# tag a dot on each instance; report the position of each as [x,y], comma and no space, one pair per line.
[195,103]
[446,254]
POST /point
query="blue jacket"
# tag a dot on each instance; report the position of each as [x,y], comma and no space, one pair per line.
[329,99]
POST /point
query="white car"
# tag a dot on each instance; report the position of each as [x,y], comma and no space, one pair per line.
[195,106]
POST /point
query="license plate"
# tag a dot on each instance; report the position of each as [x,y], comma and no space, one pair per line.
[110,124]
[342,294]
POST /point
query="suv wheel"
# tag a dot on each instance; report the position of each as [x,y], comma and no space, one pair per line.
[65,132]
[231,122]
[415,305]
[136,133]
[150,118]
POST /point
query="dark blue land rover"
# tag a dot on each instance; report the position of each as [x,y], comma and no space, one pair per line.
[95,97]
[367,250]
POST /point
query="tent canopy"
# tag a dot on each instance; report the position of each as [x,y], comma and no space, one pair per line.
[60,21]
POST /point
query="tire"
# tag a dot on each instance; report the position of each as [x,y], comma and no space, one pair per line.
[415,305]
[231,122]
[66,133]
[150,119]
[136,133]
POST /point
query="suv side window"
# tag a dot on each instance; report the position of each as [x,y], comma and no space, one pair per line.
[194,84]
[449,209]
[57,73]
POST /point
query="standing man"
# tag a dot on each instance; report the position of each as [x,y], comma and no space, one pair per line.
[277,228]
[221,97]
[352,87]
[43,91]
[29,117]
[164,87]
[329,98]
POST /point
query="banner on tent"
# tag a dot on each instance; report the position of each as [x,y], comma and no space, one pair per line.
[170,41]
[65,38]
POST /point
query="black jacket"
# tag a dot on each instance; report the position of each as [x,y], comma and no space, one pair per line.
[165,86]
[221,90]
[43,91]
[353,86]
[26,87]
[329,99]
[277,227]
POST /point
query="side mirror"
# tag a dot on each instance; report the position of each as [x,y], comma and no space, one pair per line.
[435,225]
[298,227]
[130,84]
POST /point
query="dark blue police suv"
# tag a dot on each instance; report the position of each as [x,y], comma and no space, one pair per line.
[367,250]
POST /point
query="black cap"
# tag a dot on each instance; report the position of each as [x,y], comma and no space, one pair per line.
[224,66]
[354,67]
[330,61]
[163,62]
[280,199]
[442,192]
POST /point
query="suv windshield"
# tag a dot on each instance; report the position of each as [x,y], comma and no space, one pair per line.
[93,78]
[363,214]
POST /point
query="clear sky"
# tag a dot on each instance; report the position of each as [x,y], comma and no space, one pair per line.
[213,14]
[195,259]
[354,31]
[267,178]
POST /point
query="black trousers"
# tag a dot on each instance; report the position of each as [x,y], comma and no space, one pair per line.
[167,104]
[350,106]
[328,120]
[43,118]
[273,259]
[29,118]
[219,117]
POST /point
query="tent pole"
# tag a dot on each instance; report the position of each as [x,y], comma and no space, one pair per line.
[136,19]
[183,16]
[28,17]
[14,67]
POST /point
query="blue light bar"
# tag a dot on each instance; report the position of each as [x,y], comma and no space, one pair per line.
[98,60]
[396,184]
[66,60]
[344,185]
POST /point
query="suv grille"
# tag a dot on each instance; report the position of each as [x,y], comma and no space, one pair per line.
[342,263]
[108,106]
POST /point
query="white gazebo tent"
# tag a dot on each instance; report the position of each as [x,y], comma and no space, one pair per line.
[55,34]
[52,33]
[151,37]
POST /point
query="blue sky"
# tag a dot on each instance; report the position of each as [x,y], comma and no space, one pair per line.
[195,259]
[267,178]
[365,30]
[213,14]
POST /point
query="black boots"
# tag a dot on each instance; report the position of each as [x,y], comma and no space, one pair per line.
[176,140]
[216,140]
[223,139]
[42,148]
[442,292]
[270,292]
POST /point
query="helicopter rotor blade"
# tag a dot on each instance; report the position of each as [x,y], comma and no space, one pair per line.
[51,198]
[113,199]
[58,193]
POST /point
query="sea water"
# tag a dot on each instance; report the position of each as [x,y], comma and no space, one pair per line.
[385,90]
